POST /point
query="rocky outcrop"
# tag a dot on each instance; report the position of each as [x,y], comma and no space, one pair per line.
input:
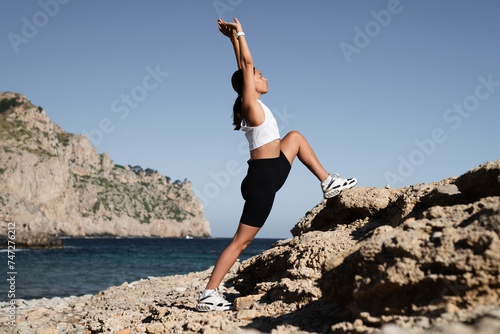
[55,182]
[35,241]
[420,259]
[447,259]
[167,305]
[481,181]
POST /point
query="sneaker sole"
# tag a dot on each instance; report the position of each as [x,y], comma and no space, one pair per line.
[208,308]
[337,191]
[203,308]
[332,193]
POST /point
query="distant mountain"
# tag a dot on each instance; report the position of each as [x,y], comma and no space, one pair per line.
[55,182]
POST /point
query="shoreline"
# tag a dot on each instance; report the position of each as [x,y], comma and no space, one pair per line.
[134,302]
[88,266]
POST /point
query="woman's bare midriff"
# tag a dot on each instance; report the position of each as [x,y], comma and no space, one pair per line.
[268,151]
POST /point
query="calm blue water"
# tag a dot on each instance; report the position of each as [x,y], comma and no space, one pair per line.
[86,266]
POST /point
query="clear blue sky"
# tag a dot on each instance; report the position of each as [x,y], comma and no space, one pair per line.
[391,92]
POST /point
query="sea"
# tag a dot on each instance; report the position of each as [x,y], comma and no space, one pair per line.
[89,265]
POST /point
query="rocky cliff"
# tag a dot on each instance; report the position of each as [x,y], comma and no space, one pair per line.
[55,182]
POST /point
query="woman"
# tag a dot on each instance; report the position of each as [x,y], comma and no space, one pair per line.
[270,161]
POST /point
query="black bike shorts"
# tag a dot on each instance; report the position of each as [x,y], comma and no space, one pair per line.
[264,178]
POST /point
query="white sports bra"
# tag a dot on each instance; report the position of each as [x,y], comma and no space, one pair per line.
[268,131]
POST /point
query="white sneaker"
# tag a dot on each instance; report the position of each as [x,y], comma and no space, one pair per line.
[213,302]
[334,184]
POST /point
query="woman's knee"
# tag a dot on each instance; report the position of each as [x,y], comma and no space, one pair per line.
[246,244]
[294,135]
[292,141]
[243,238]
[242,243]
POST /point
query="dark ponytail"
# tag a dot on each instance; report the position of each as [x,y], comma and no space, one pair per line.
[237,113]
[237,82]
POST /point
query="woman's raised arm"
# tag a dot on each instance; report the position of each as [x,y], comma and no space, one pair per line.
[252,111]
[231,34]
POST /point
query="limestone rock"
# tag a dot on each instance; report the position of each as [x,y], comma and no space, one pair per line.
[245,303]
[481,181]
[447,258]
[48,331]
[352,204]
[410,201]
[247,314]
[422,256]
[35,241]
[289,270]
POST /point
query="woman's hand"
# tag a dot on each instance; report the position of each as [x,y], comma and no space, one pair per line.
[230,29]
[225,30]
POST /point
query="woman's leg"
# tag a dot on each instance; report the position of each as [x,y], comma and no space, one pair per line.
[295,145]
[242,238]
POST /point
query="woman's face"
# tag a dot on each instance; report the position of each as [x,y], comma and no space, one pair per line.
[261,85]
